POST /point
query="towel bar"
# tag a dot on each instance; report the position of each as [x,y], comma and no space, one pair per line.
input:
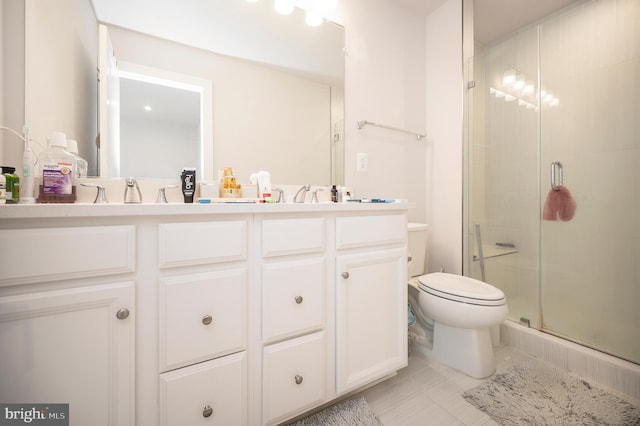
[363,123]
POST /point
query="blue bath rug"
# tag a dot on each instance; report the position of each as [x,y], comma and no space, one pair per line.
[536,393]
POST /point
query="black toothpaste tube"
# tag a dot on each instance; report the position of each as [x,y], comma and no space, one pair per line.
[188,179]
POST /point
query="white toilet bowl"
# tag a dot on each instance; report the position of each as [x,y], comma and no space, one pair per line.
[463,311]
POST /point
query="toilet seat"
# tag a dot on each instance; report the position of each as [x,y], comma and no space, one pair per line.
[461,289]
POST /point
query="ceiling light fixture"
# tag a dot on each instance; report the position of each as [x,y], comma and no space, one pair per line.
[313,19]
[519,83]
[508,78]
[283,7]
[528,88]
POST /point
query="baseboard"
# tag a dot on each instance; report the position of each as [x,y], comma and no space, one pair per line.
[608,371]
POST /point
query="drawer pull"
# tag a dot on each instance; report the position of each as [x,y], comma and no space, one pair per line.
[298,379]
[299,299]
[409,258]
[122,313]
[207,412]
[345,275]
[207,319]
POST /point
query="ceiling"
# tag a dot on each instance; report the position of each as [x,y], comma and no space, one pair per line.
[494,19]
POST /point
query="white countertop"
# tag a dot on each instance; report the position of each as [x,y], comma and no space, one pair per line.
[35,211]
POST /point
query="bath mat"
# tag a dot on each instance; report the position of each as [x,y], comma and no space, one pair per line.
[535,393]
[352,412]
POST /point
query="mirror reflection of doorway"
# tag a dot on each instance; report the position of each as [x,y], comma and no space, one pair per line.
[160,128]
[152,122]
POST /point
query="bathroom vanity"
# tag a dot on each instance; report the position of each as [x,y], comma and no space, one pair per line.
[200,314]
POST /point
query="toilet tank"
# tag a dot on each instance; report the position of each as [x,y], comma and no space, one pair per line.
[417,247]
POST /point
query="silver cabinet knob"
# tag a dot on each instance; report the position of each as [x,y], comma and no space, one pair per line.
[409,258]
[207,319]
[298,379]
[207,411]
[122,313]
[345,275]
[299,299]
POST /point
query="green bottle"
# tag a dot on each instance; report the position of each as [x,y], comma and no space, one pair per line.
[12,185]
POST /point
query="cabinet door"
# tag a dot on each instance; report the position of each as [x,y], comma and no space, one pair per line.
[371,323]
[209,393]
[68,346]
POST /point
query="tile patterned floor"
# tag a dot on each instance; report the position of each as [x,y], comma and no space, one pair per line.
[430,393]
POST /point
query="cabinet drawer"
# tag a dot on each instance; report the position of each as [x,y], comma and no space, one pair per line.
[202,316]
[293,298]
[290,236]
[211,393]
[362,231]
[55,254]
[294,376]
[185,244]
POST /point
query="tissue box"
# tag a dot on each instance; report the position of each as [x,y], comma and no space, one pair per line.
[249,190]
[209,189]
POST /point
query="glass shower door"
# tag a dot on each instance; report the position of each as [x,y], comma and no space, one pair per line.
[590,151]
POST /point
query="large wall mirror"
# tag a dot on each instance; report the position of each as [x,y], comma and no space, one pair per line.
[266,90]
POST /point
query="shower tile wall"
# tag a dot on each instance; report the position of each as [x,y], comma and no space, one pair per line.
[590,57]
[505,152]
[590,266]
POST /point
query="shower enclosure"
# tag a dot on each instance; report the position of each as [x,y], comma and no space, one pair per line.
[557,103]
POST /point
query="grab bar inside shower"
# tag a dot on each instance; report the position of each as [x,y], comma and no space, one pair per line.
[480,252]
[555,183]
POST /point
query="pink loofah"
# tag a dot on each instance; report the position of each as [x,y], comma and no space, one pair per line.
[559,204]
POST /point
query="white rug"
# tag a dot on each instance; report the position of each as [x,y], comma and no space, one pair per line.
[535,393]
[352,412]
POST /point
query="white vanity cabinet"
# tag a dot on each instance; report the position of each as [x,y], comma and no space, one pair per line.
[67,321]
[177,314]
[202,322]
[371,298]
[292,286]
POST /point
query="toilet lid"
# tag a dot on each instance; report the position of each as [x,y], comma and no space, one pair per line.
[461,289]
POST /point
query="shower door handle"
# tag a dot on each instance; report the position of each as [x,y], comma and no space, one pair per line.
[556,175]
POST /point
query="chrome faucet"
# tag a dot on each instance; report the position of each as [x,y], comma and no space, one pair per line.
[281,198]
[101,198]
[132,183]
[314,197]
[162,196]
[303,190]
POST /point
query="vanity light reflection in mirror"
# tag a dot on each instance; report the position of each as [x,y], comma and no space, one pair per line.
[162,123]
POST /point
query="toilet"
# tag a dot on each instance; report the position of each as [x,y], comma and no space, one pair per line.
[465,313]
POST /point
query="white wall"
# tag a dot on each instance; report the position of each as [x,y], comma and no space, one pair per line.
[444,127]
[405,70]
[385,69]
[12,81]
[61,42]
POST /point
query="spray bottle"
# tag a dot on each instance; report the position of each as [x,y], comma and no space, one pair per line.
[28,161]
